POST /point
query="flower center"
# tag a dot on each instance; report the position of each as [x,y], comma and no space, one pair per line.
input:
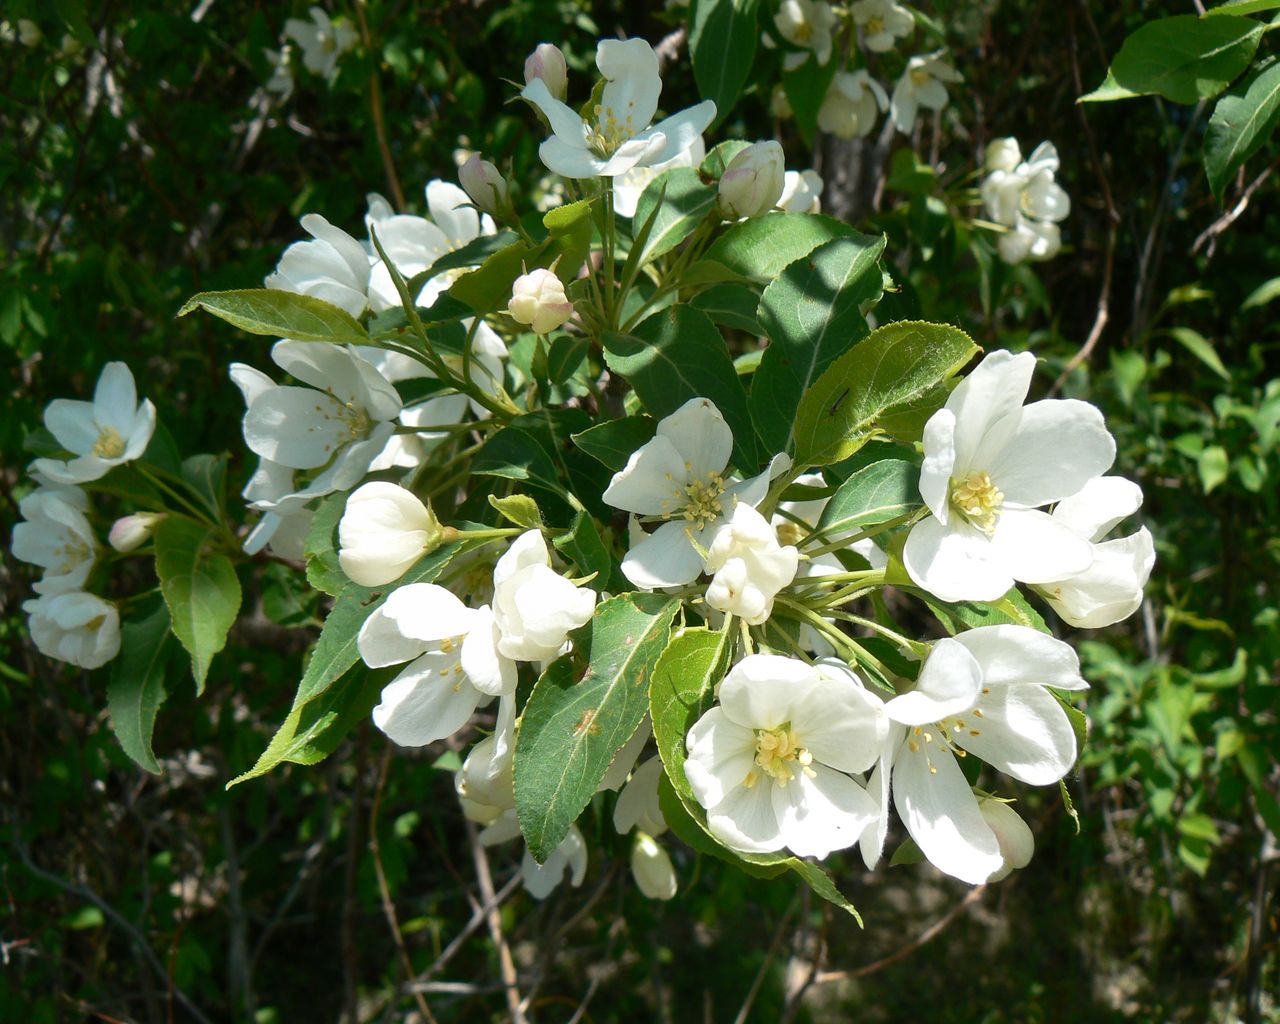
[609,133]
[790,534]
[358,421]
[977,499]
[875,26]
[778,753]
[919,77]
[702,500]
[72,553]
[802,33]
[109,445]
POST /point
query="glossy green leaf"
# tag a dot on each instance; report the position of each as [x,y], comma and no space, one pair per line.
[582,545]
[760,248]
[1242,121]
[722,43]
[571,728]
[487,289]
[1012,609]
[519,509]
[806,87]
[136,689]
[895,365]
[678,202]
[612,442]
[676,355]
[320,548]
[280,314]
[731,305]
[1239,8]
[570,228]
[812,314]
[1200,347]
[873,495]
[200,587]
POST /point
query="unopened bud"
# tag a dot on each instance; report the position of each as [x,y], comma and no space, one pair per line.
[384,530]
[1003,154]
[1014,838]
[538,299]
[779,104]
[485,185]
[547,62]
[652,868]
[131,532]
[752,183]
[29,33]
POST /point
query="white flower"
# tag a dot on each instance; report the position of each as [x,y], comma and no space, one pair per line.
[1003,154]
[571,856]
[990,463]
[280,84]
[1111,588]
[770,764]
[983,693]
[800,192]
[128,533]
[413,244]
[619,138]
[538,300]
[921,85]
[637,805]
[113,429]
[779,104]
[547,63]
[486,186]
[341,421]
[322,40]
[627,188]
[1023,196]
[434,696]
[333,267]
[1030,240]
[384,530]
[625,759]
[752,182]
[75,627]
[680,476]
[882,22]
[806,24]
[749,567]
[1013,837]
[853,102]
[56,536]
[535,608]
[651,868]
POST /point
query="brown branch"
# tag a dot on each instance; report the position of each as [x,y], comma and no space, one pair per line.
[772,952]
[926,936]
[1213,231]
[375,107]
[507,966]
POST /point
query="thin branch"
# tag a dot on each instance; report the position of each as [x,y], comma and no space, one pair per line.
[506,965]
[926,936]
[1213,231]
[375,107]
[769,956]
[478,917]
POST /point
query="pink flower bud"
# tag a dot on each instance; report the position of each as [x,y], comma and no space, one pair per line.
[538,299]
[131,532]
[547,62]
[752,183]
[486,187]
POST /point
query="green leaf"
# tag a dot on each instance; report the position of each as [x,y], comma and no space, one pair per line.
[199,586]
[731,305]
[678,201]
[760,248]
[583,546]
[676,355]
[571,728]
[1242,121]
[566,357]
[519,509]
[487,289]
[1213,466]
[612,442]
[806,88]
[895,365]
[874,494]
[1012,609]
[1108,92]
[1185,58]
[320,550]
[682,691]
[206,475]
[517,455]
[722,43]
[812,314]
[570,229]
[1200,347]
[1238,8]
[280,315]
[472,254]
[1260,296]
[136,690]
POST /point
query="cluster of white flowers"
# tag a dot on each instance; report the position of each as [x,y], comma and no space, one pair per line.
[1023,196]
[66,621]
[322,40]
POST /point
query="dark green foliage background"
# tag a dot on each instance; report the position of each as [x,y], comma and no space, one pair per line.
[140,172]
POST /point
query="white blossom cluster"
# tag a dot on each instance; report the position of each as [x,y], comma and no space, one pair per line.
[1022,196]
[66,621]
[322,39]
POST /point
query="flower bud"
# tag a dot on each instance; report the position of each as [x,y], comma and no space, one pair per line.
[752,183]
[652,868]
[547,62]
[29,33]
[384,530]
[485,185]
[538,299]
[779,104]
[1003,154]
[1014,838]
[749,567]
[131,532]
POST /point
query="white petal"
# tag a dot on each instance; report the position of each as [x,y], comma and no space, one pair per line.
[632,84]
[73,424]
[652,482]
[1059,446]
[1102,503]
[454,213]
[1009,654]
[763,690]
[994,390]
[840,722]
[115,399]
[568,127]
[1017,844]
[955,562]
[939,463]
[570,161]
[721,755]
[680,131]
[949,684]
[428,701]
[381,643]
[1111,588]
[1023,732]
[700,435]
[296,427]
[429,613]
[746,821]
[941,813]
[665,558]
[1035,548]
[488,670]
[871,843]
[824,813]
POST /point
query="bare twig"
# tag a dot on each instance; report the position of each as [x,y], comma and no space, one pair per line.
[478,917]
[375,107]
[1213,231]
[769,956]
[928,935]
[506,965]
